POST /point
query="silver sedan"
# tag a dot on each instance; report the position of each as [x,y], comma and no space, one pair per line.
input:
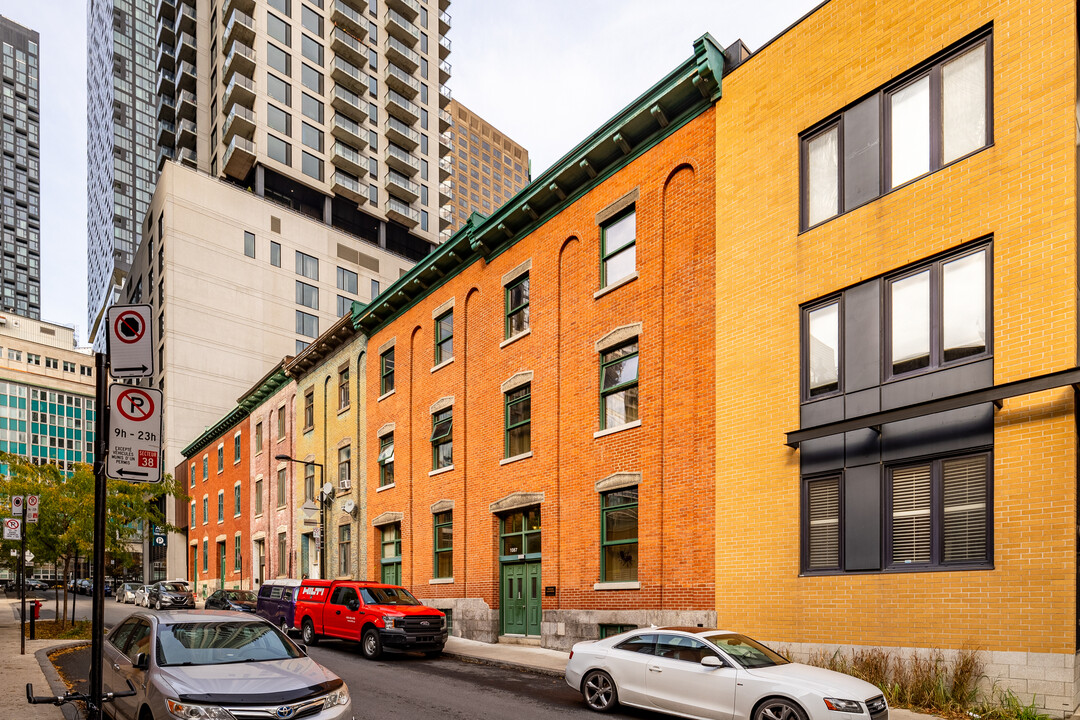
[207,664]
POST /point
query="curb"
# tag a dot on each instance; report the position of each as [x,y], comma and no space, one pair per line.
[56,683]
[505,664]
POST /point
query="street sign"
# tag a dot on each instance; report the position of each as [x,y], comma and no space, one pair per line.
[13,529]
[16,504]
[29,556]
[131,342]
[135,436]
[159,538]
[32,508]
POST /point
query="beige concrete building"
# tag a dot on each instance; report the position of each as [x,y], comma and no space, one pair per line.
[46,398]
[237,283]
[486,169]
[333,108]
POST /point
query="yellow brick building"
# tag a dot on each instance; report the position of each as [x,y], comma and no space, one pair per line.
[328,440]
[896,324]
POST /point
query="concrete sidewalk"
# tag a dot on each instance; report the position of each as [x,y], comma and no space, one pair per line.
[33,667]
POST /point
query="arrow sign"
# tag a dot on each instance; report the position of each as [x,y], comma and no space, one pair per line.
[135,434]
[131,341]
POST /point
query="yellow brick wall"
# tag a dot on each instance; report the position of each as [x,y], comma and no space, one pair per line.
[1022,190]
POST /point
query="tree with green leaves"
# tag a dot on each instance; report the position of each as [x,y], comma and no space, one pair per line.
[65,526]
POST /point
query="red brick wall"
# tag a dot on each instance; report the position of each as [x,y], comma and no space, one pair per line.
[673,448]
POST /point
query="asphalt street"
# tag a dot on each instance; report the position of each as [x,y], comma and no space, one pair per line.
[412,687]
[114,611]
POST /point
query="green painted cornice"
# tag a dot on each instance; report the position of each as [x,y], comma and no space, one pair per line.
[680,96]
[253,398]
[314,355]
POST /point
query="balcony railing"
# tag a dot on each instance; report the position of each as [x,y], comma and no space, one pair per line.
[401,27]
[240,25]
[444,47]
[402,54]
[240,89]
[409,8]
[444,71]
[404,211]
[401,186]
[444,22]
[344,68]
[402,106]
[404,161]
[446,121]
[240,120]
[342,14]
[239,157]
[402,80]
[342,154]
[348,129]
[241,58]
[401,133]
[187,157]
[345,44]
[345,184]
[350,103]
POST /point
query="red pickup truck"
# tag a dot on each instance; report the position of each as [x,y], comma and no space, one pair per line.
[374,614]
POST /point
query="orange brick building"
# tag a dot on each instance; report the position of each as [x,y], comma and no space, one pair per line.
[216,472]
[539,391]
[896,326]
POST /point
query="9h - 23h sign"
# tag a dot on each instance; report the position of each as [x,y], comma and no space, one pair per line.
[134,434]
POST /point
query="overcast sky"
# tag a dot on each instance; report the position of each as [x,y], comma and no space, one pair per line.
[545,73]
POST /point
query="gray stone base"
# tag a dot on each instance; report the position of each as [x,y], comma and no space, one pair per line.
[560,629]
[473,618]
[1051,679]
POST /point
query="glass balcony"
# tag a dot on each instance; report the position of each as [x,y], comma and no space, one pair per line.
[166,10]
[345,156]
[402,107]
[402,81]
[186,156]
[343,15]
[164,153]
[408,8]
[166,133]
[444,47]
[444,72]
[401,160]
[239,90]
[445,121]
[444,22]
[186,134]
[166,83]
[165,34]
[241,59]
[186,48]
[347,129]
[241,27]
[166,57]
[240,121]
[349,75]
[166,107]
[345,45]
[349,103]
[342,183]
[239,157]
[401,54]
[402,28]
[247,6]
[186,76]
[186,107]
[400,133]
[185,19]
[402,212]
[402,187]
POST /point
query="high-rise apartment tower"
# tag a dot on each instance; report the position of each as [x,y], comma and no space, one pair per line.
[20,289]
[121,145]
[330,107]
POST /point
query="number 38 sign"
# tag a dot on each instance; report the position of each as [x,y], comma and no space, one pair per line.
[135,434]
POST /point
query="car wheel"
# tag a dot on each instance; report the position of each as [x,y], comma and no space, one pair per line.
[285,627]
[599,691]
[779,709]
[371,645]
[157,605]
[308,632]
[146,714]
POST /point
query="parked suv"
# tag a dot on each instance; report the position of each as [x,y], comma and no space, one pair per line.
[277,602]
[170,594]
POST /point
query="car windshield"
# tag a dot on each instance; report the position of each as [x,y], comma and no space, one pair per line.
[217,643]
[748,653]
[388,596]
[241,596]
[174,587]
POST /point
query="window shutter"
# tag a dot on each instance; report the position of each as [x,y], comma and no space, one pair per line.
[824,508]
[964,493]
[911,514]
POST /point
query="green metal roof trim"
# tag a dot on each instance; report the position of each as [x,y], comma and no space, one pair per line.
[679,97]
[266,387]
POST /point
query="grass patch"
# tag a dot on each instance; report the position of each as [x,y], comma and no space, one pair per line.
[927,682]
[51,630]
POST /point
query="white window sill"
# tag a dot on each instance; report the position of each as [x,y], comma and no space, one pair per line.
[617,586]
[514,338]
[440,471]
[522,456]
[384,487]
[386,394]
[441,581]
[342,411]
[617,284]
[443,364]
[617,428]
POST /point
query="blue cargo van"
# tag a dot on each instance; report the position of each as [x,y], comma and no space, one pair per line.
[277,602]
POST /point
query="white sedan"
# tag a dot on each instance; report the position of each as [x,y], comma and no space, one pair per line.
[715,674]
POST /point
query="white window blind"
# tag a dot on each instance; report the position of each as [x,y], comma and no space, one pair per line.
[964,506]
[963,94]
[823,498]
[911,515]
[823,178]
[910,109]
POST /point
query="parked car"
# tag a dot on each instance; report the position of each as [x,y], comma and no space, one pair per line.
[375,614]
[126,593]
[35,584]
[170,593]
[84,587]
[277,602]
[142,592]
[210,664]
[235,600]
[694,672]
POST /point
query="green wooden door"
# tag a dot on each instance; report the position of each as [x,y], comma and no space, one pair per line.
[305,541]
[221,565]
[514,598]
[533,598]
[391,573]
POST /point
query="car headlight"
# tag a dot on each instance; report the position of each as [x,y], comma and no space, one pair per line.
[848,706]
[187,711]
[393,622]
[338,697]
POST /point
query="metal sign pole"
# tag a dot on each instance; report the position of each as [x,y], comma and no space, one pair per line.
[22,584]
[101,442]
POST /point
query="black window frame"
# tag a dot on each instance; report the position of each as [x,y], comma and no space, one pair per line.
[386,377]
[516,310]
[442,434]
[444,345]
[937,314]
[930,67]
[804,544]
[521,395]
[937,562]
[804,352]
[249,244]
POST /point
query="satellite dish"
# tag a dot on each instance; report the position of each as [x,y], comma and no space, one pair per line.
[349,506]
[328,490]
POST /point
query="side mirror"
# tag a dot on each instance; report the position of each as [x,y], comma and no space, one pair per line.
[142,661]
[354,605]
[711,661]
